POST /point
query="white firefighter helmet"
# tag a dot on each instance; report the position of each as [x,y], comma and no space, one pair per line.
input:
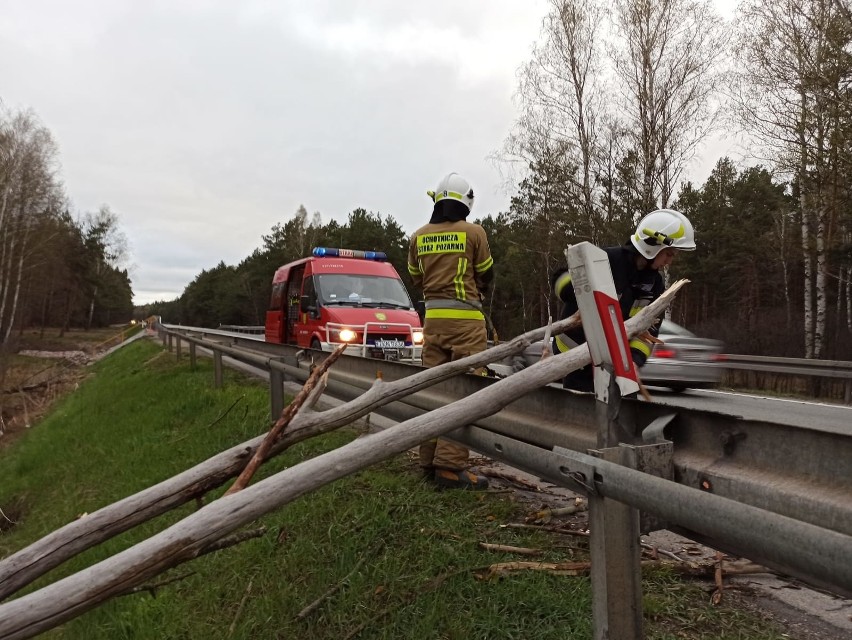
[453,186]
[663,228]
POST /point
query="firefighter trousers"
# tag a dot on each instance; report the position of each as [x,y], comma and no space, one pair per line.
[445,340]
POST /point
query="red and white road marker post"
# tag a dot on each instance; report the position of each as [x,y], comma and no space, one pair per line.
[614,526]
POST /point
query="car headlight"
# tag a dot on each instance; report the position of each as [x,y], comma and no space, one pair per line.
[417,337]
[347,335]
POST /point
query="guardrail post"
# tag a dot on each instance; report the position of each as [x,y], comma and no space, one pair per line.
[276,393]
[170,343]
[615,556]
[614,527]
[217,369]
[178,347]
[192,360]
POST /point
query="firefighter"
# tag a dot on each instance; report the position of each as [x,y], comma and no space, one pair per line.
[449,259]
[636,269]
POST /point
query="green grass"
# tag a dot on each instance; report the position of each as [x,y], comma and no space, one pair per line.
[142,417]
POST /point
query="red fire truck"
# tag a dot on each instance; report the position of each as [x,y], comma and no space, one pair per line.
[344,295]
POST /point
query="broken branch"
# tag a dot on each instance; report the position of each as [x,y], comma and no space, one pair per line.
[287,415]
[524,551]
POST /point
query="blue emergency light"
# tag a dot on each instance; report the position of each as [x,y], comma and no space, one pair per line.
[325,252]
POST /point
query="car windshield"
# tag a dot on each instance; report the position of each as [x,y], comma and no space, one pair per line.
[669,328]
[368,291]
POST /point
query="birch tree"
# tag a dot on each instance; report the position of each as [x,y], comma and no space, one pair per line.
[793,94]
[29,191]
[668,58]
[663,58]
[565,83]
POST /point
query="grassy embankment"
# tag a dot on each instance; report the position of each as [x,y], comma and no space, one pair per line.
[142,417]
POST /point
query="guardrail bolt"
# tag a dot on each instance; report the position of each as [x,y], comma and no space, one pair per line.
[729,439]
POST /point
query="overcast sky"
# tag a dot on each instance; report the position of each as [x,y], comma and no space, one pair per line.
[202,124]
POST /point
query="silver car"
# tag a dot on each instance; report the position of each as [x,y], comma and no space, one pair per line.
[683,360]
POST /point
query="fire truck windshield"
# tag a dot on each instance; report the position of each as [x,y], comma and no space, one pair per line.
[360,290]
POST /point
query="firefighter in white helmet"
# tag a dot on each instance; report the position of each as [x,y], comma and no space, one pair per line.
[449,259]
[636,266]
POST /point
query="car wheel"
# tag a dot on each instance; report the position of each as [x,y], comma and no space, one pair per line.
[678,389]
[315,344]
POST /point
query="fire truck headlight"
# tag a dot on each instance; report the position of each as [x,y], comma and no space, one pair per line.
[347,335]
[417,337]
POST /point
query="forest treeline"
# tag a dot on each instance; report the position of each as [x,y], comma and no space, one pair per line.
[57,269]
[746,279]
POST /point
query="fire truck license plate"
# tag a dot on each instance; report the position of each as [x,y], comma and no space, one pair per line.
[389,344]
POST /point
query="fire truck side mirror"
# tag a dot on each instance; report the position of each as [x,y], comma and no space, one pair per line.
[420,307]
[305,305]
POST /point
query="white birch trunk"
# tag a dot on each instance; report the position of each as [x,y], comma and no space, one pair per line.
[13,308]
[3,204]
[849,299]
[838,307]
[18,277]
[4,241]
[808,280]
[92,307]
[819,325]
[781,228]
[6,278]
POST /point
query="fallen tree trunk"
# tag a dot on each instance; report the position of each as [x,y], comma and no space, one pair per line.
[71,596]
[28,564]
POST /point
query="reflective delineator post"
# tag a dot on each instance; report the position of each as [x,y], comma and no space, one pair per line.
[614,527]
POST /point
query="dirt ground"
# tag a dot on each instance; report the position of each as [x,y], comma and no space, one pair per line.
[39,368]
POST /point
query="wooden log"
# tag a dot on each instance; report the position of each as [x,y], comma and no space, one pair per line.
[63,600]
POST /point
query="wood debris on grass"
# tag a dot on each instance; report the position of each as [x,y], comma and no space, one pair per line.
[704,570]
[515,480]
[506,548]
[502,569]
[546,515]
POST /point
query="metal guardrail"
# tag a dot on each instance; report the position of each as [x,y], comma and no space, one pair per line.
[776,473]
[837,369]
[791,366]
[833,369]
[242,329]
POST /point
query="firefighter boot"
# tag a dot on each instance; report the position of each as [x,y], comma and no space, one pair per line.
[427,457]
[460,479]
